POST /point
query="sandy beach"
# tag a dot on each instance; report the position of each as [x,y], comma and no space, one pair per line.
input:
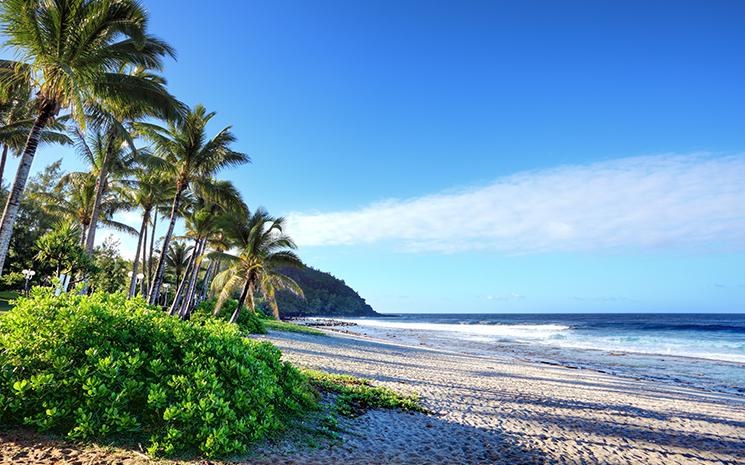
[498,410]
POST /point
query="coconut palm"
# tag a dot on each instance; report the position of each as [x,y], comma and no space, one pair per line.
[115,158]
[205,219]
[263,249]
[73,201]
[177,258]
[192,159]
[74,52]
[147,191]
[17,113]
[218,242]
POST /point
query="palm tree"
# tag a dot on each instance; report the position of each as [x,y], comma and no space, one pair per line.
[73,201]
[218,242]
[74,52]
[177,258]
[263,248]
[192,160]
[148,191]
[204,220]
[17,113]
[115,157]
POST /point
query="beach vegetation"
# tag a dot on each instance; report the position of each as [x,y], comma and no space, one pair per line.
[355,396]
[286,326]
[248,322]
[104,366]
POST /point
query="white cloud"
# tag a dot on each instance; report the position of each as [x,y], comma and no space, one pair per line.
[652,201]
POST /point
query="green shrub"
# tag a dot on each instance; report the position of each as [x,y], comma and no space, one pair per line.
[104,366]
[248,321]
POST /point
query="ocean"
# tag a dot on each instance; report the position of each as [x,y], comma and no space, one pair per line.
[706,351]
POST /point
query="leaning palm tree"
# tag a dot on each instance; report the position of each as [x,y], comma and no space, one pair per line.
[192,159]
[205,219]
[74,51]
[263,248]
[17,112]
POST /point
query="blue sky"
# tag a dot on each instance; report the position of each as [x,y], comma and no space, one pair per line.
[486,156]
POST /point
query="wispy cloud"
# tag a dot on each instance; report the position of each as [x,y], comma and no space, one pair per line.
[652,201]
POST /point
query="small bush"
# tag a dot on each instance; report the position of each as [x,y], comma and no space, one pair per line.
[248,321]
[104,366]
[358,395]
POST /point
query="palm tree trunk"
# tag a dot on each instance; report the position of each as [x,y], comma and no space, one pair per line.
[133,280]
[100,189]
[2,162]
[207,278]
[144,261]
[83,229]
[188,297]
[182,285]
[149,270]
[248,291]
[158,281]
[19,183]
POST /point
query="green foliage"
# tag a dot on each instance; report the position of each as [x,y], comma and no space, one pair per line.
[325,295]
[248,322]
[111,269]
[357,395]
[5,298]
[277,325]
[104,366]
[32,221]
[61,247]
[12,281]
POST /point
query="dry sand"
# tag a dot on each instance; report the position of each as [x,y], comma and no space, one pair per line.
[503,411]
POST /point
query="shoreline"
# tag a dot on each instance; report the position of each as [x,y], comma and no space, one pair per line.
[738,397]
[502,410]
[609,361]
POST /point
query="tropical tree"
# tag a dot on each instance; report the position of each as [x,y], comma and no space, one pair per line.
[148,190]
[205,219]
[73,200]
[17,112]
[192,160]
[263,249]
[74,52]
[218,242]
[115,159]
[60,247]
[110,272]
[177,259]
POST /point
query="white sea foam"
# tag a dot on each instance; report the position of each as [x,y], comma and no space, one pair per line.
[705,349]
[562,336]
[496,331]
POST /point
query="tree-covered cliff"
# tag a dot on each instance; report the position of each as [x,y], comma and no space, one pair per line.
[325,295]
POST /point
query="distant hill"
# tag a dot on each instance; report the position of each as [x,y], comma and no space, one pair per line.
[325,295]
